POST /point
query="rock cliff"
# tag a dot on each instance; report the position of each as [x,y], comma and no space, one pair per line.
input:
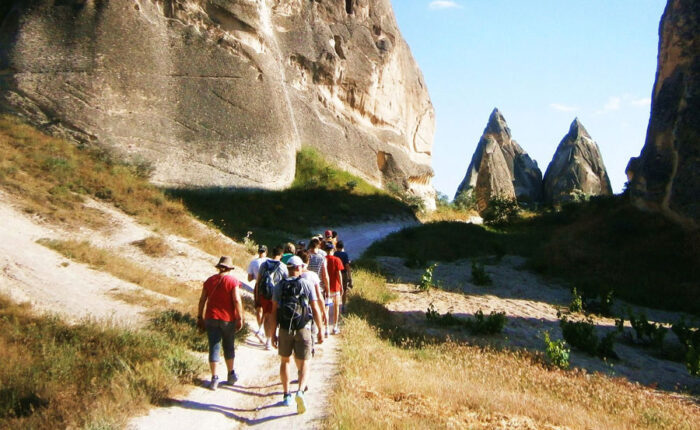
[224,92]
[576,169]
[665,177]
[522,172]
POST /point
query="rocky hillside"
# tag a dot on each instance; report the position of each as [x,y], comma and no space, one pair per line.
[518,174]
[665,175]
[223,93]
[577,168]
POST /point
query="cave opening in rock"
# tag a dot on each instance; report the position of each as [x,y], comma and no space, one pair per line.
[348,6]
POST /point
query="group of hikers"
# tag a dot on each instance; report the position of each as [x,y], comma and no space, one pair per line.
[300,292]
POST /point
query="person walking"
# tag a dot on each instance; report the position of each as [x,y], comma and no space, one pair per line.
[335,284]
[289,251]
[313,277]
[224,317]
[293,307]
[347,272]
[253,269]
[317,264]
[271,272]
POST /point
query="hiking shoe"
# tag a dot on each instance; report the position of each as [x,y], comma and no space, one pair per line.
[268,346]
[287,400]
[214,383]
[326,331]
[336,330]
[301,404]
[232,378]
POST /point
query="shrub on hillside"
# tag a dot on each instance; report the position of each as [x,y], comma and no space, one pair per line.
[479,325]
[576,304]
[426,280]
[479,275]
[690,339]
[648,333]
[582,335]
[500,210]
[556,351]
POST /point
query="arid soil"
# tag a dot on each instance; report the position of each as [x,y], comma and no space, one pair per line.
[531,304]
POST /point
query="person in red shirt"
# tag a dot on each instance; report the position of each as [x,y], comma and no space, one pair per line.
[223,318]
[335,279]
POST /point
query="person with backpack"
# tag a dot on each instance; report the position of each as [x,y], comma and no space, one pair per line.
[335,283]
[317,264]
[313,277]
[347,272]
[271,272]
[253,270]
[293,307]
[223,318]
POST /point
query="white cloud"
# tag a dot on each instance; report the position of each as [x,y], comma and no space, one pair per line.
[444,4]
[562,108]
[644,102]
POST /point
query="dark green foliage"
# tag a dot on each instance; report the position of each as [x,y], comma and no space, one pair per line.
[181,328]
[598,246]
[556,351]
[648,333]
[690,339]
[426,280]
[479,325]
[321,195]
[576,304]
[479,275]
[580,334]
[601,305]
[491,324]
[500,210]
[465,201]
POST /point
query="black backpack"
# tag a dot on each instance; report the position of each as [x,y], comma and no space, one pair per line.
[294,310]
[271,274]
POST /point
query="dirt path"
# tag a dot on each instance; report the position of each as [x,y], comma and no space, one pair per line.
[358,237]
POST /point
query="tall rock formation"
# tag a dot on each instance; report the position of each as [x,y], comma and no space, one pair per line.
[494,178]
[577,168]
[666,175]
[522,172]
[224,92]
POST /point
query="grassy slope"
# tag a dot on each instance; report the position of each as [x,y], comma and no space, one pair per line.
[321,195]
[392,378]
[91,375]
[598,246]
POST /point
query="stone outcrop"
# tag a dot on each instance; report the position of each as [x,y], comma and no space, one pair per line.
[522,172]
[493,179]
[224,92]
[666,175]
[577,168]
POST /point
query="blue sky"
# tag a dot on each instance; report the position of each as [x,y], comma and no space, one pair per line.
[542,63]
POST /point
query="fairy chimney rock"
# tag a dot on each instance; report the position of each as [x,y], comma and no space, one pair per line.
[576,169]
[522,171]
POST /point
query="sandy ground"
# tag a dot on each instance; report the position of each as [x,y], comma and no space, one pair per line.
[358,237]
[531,304]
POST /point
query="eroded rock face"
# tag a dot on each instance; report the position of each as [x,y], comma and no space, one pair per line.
[666,175]
[577,168]
[224,92]
[523,173]
[493,179]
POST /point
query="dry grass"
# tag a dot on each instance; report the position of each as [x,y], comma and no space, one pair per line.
[155,246]
[123,268]
[443,384]
[52,177]
[447,213]
[85,376]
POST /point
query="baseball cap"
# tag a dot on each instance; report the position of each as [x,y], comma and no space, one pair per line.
[329,245]
[262,248]
[295,261]
[328,233]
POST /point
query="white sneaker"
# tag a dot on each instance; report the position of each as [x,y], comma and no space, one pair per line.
[268,346]
[214,383]
[336,330]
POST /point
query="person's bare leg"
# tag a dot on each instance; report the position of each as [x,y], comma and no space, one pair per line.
[303,371]
[269,327]
[336,310]
[259,315]
[229,364]
[212,367]
[284,373]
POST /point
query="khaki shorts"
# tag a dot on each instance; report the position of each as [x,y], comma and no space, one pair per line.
[300,342]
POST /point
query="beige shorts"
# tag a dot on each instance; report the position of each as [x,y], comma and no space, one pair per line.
[300,342]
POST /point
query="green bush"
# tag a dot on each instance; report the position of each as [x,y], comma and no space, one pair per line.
[556,352]
[647,333]
[690,339]
[465,201]
[606,346]
[580,334]
[500,210]
[491,324]
[576,304]
[479,275]
[479,325]
[426,280]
